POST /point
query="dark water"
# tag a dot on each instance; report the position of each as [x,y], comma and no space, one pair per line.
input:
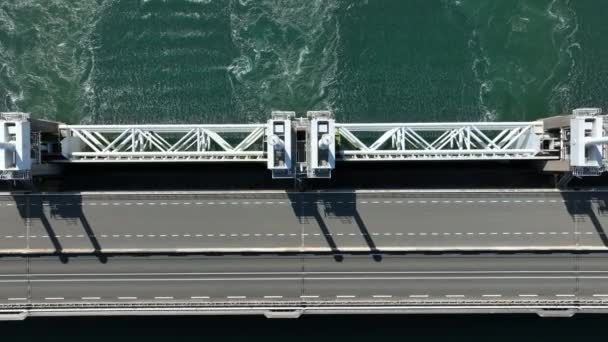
[126,61]
[321,328]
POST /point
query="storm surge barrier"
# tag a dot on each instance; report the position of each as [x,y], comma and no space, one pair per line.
[307,147]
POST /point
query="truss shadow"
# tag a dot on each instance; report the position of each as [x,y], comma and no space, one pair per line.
[48,210]
[321,208]
[589,207]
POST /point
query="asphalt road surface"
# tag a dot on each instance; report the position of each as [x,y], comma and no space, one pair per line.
[453,278]
[303,222]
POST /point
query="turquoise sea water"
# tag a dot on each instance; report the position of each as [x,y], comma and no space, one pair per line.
[135,61]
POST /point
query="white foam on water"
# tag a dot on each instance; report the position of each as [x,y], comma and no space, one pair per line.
[287,54]
[564,35]
[535,64]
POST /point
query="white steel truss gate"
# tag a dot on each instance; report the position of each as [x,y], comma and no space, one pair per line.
[440,141]
[326,141]
[163,143]
[310,146]
[355,142]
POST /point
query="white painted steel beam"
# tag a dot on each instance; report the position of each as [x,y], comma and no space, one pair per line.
[357,141]
[596,141]
[163,143]
[441,141]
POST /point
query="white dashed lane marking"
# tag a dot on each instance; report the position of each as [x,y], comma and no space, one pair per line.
[236,235]
[279,202]
[490,296]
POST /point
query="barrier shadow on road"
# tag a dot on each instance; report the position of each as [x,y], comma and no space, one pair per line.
[589,207]
[318,208]
[50,210]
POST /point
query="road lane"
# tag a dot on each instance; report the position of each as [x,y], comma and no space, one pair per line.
[304,222]
[13,226]
[168,225]
[458,279]
[13,280]
[431,223]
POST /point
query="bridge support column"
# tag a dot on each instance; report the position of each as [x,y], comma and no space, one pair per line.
[279,140]
[301,147]
[322,145]
[587,142]
[15,142]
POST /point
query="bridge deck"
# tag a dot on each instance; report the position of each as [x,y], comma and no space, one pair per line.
[297,281]
[304,222]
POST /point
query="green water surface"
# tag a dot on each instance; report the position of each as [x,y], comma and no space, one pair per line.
[152,61]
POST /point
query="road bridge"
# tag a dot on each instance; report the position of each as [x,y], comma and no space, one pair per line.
[287,253]
[306,147]
[557,284]
[292,222]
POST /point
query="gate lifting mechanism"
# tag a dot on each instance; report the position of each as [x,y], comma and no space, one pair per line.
[308,146]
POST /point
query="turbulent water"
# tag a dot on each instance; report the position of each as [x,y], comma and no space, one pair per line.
[135,61]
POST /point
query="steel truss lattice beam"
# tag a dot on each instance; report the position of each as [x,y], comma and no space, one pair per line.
[440,141]
[355,142]
[149,143]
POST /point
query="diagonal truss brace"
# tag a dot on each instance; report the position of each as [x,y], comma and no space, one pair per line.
[374,142]
[141,143]
[441,141]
